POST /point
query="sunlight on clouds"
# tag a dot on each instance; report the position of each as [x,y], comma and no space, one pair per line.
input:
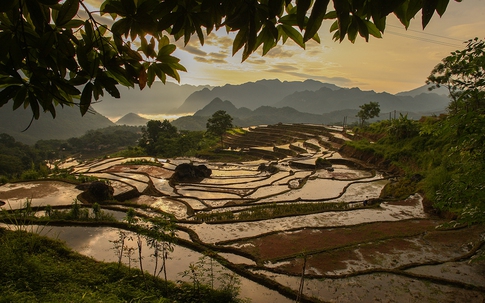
[194,50]
[400,61]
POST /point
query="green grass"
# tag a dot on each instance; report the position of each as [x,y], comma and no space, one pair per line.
[265,212]
[38,269]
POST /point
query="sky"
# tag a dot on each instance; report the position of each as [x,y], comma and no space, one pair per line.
[400,61]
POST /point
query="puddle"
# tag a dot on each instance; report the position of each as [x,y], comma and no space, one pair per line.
[41,193]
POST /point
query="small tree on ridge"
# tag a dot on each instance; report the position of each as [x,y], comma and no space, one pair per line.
[219,123]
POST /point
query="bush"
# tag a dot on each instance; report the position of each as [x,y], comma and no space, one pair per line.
[322,163]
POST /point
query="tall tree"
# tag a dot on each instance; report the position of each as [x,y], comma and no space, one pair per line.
[368,111]
[463,74]
[49,57]
[219,123]
[456,185]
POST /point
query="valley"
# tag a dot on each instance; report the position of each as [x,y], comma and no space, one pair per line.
[285,226]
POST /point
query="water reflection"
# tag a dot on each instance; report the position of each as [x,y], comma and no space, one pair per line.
[97,242]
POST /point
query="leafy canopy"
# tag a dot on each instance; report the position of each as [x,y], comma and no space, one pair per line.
[368,111]
[50,57]
[219,123]
[463,73]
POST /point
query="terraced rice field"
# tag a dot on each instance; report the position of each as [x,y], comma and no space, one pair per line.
[270,227]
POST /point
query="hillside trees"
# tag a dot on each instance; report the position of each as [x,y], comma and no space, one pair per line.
[162,139]
[218,124]
[50,57]
[463,74]
[368,111]
[457,184]
[17,158]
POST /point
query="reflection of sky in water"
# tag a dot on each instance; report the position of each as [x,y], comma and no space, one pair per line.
[138,177]
[268,191]
[212,233]
[201,194]
[162,185]
[41,193]
[313,190]
[236,180]
[234,173]
[97,242]
[359,191]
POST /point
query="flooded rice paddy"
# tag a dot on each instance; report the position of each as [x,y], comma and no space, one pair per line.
[381,251]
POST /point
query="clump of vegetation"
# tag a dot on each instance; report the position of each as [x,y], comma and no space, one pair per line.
[152,162]
[265,212]
[20,161]
[401,188]
[322,163]
[272,168]
[77,212]
[162,139]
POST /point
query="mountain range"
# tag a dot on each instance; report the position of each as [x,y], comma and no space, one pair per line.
[266,115]
[252,103]
[308,96]
[68,123]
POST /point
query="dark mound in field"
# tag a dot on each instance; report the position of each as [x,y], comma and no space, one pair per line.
[187,172]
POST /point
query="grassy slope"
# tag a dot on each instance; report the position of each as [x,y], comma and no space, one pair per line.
[38,269]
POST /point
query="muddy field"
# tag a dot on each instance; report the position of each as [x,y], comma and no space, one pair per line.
[379,251]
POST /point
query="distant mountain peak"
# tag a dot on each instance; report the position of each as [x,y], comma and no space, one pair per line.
[132,119]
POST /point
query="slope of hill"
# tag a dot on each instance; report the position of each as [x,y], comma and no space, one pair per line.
[132,120]
[68,123]
[251,94]
[265,115]
[424,89]
[160,98]
[326,100]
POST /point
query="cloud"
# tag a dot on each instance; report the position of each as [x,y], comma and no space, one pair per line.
[282,68]
[256,61]
[279,52]
[221,55]
[194,50]
[209,60]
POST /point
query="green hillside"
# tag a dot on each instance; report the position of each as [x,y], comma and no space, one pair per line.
[67,124]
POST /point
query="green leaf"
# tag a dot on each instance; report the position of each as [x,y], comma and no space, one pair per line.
[151,74]
[6,5]
[48,2]
[34,105]
[441,7]
[129,6]
[86,98]
[67,11]
[5,40]
[121,27]
[8,93]
[330,15]
[380,23]
[352,31]
[275,7]
[74,23]
[372,29]
[429,6]
[166,50]
[343,15]
[316,17]
[334,26]
[294,35]
[362,28]
[302,7]
[239,41]
[37,14]
[413,8]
